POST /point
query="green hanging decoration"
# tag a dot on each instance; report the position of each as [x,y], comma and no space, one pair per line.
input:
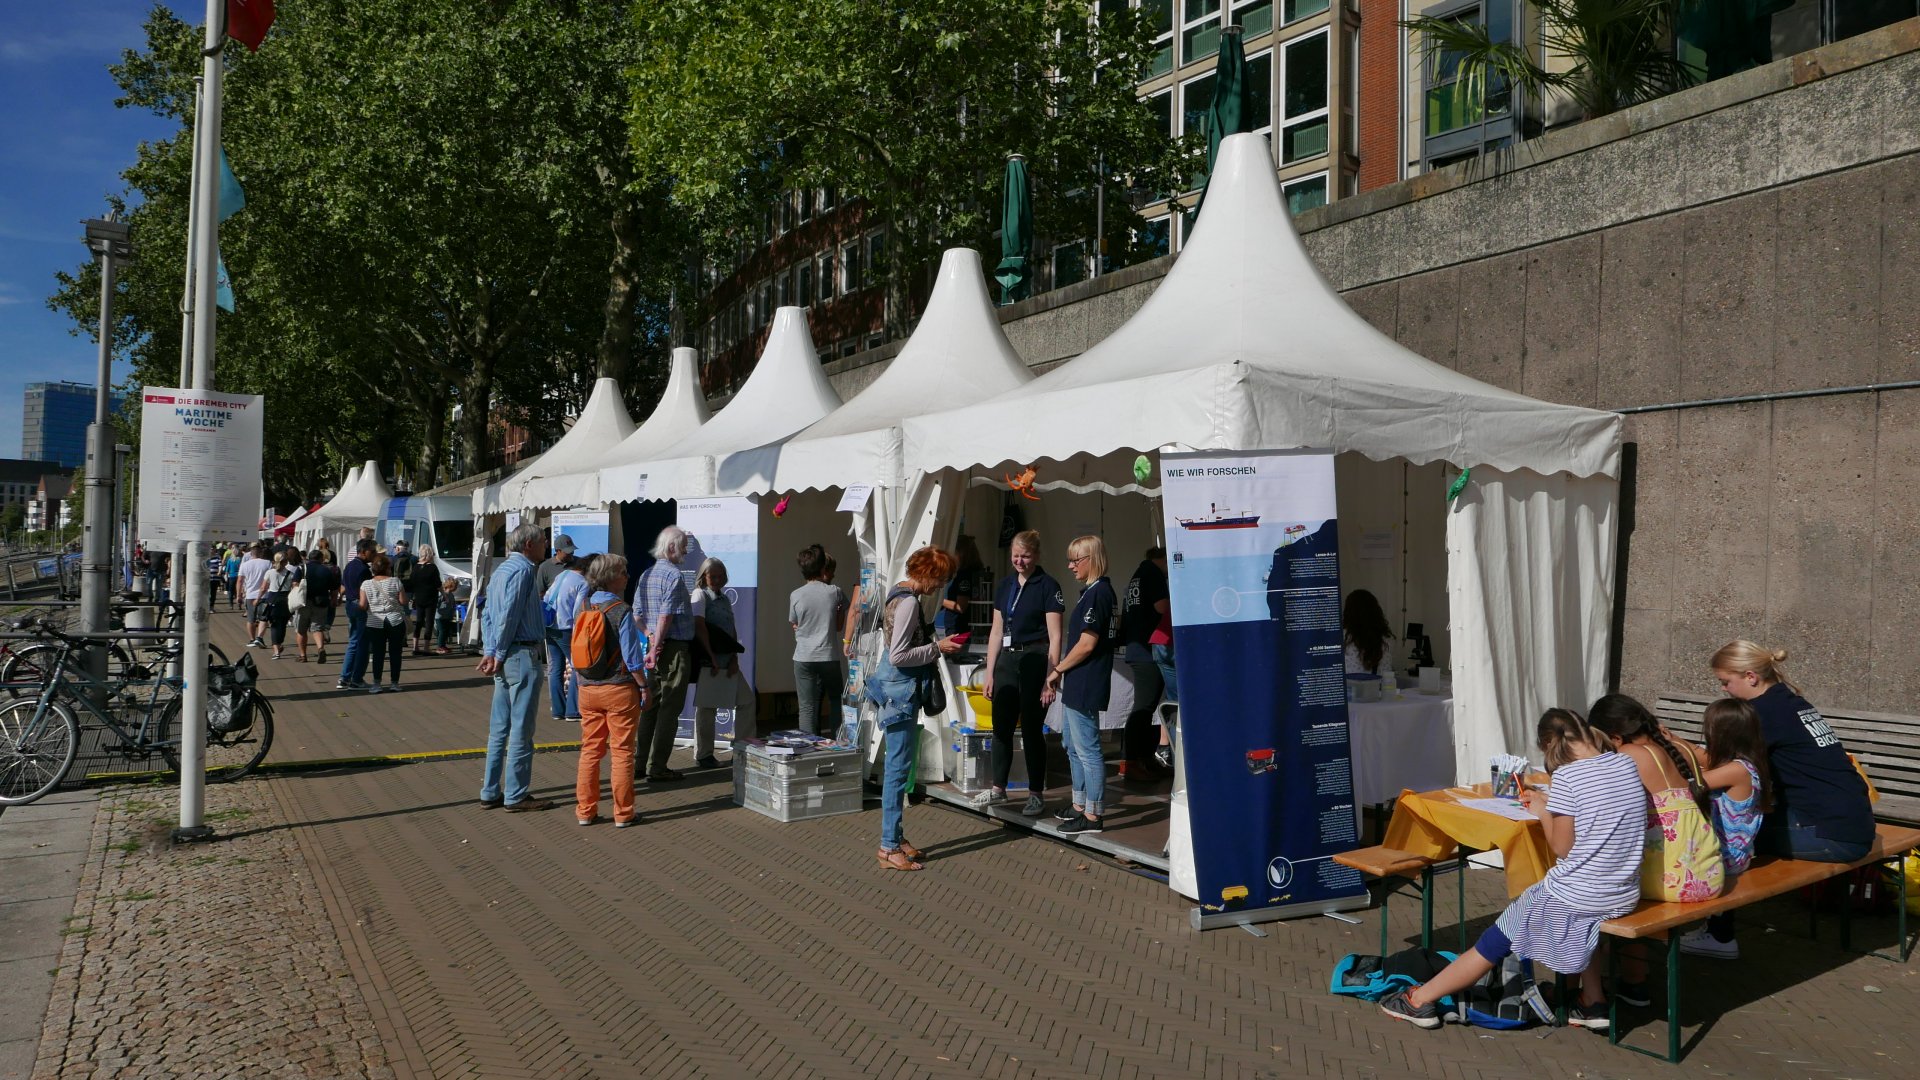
[1142,468]
[1459,484]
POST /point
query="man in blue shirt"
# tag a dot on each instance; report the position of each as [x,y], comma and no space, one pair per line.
[512,630]
[664,613]
[353,662]
[563,596]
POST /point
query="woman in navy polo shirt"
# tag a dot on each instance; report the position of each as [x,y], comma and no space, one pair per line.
[1083,679]
[1027,610]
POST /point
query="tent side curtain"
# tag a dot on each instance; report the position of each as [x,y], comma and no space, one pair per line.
[1530,580]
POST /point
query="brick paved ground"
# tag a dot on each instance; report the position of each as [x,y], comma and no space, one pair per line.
[203,961]
[713,942]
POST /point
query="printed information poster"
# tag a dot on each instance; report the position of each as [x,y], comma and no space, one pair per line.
[200,464]
[588,529]
[1253,569]
[727,529]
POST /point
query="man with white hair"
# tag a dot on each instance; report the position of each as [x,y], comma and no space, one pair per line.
[662,608]
[512,633]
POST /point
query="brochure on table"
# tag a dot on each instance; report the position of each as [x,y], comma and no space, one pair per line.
[727,529]
[1253,573]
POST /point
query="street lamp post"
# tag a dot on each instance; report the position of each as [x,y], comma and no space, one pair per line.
[109,239]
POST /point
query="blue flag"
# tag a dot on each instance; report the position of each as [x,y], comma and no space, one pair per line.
[222,285]
[232,198]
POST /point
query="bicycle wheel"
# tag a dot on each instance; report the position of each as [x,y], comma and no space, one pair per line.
[230,755]
[27,668]
[35,757]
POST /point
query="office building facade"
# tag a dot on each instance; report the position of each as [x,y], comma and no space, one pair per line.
[53,421]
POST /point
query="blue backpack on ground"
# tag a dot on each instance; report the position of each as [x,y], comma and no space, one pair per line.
[1503,999]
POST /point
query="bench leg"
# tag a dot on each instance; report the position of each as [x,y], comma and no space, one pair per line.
[1426,908]
[1672,1055]
[1903,948]
[1460,899]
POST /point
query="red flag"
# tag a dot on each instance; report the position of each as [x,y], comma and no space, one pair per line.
[248,20]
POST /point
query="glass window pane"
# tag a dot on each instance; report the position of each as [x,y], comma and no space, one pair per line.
[1260,92]
[1192,10]
[1255,18]
[1306,194]
[1069,264]
[1302,141]
[1300,9]
[1152,238]
[1200,41]
[1162,106]
[805,289]
[826,276]
[1161,61]
[1195,98]
[1306,75]
[1159,15]
[876,255]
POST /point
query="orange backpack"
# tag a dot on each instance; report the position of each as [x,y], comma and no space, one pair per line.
[596,641]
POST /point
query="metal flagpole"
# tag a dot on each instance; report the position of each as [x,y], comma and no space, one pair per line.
[186,316]
[206,237]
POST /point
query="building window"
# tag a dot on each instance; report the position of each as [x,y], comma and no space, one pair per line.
[1305,193]
[803,284]
[1303,98]
[849,347]
[1462,119]
[805,197]
[1196,97]
[827,200]
[851,272]
[1151,239]
[1199,29]
[1260,92]
[1295,10]
[782,295]
[825,277]
[1255,18]
[1162,106]
[876,339]
[1160,14]
[877,254]
[1069,264]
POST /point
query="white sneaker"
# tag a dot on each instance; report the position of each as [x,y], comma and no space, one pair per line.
[1701,943]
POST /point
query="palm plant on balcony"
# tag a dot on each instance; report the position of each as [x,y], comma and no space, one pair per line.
[1619,53]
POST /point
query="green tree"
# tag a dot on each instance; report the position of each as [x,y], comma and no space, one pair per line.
[1619,53]
[913,106]
[12,519]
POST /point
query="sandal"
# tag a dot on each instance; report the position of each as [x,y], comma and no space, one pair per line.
[897,860]
[910,851]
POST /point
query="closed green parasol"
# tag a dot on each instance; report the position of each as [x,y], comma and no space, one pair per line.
[1016,233]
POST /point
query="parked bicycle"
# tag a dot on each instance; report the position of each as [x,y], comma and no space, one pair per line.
[40,736]
[24,666]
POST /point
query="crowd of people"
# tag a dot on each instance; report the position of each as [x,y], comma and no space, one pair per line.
[1632,811]
[276,586]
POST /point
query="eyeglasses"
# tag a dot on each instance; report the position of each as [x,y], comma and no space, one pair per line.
[1073,560]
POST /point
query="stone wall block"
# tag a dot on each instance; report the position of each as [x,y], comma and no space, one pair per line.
[1720,485]
[1050,335]
[1898,84]
[1640,318]
[1827,286]
[1894,681]
[1105,313]
[1830,123]
[1378,304]
[1820,587]
[1429,315]
[1493,320]
[1731,152]
[1726,330]
[1563,312]
[1899,300]
[1648,576]
[1646,657]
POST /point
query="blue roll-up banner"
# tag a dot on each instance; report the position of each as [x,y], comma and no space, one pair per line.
[728,529]
[1253,571]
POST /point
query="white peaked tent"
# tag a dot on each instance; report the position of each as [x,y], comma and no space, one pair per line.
[1245,346]
[357,506]
[681,411]
[560,478]
[787,391]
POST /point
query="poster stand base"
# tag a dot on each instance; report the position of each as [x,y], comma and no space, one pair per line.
[1006,814]
[1213,920]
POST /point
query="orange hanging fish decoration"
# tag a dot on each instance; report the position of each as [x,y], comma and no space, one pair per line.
[780,508]
[1024,482]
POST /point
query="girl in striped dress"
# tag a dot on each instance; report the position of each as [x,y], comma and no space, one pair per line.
[1595,817]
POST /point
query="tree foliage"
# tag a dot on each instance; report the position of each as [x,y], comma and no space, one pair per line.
[913,106]
[436,195]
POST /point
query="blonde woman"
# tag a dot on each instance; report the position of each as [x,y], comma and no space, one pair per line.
[1081,679]
[1028,620]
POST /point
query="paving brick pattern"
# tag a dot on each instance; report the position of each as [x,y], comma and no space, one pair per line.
[203,961]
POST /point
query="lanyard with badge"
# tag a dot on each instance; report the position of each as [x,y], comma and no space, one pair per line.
[1006,639]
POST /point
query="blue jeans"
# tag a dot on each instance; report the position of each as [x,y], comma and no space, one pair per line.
[814,679]
[516,693]
[1163,659]
[353,662]
[562,693]
[892,691]
[1084,758]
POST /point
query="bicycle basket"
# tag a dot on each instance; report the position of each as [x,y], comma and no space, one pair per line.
[230,697]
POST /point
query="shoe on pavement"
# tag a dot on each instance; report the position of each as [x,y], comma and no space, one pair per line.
[1701,942]
[490,804]
[255,644]
[627,824]
[595,820]
[393,688]
[664,774]
[1400,1007]
[1035,806]
[374,689]
[708,762]
[1082,824]
[342,685]
[1067,813]
[1592,1017]
[1163,757]
[983,799]
[528,806]
[1636,994]
[570,719]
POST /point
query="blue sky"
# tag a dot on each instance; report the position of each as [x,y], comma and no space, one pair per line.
[62,148]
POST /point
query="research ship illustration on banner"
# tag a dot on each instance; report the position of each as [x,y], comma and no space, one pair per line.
[1219,519]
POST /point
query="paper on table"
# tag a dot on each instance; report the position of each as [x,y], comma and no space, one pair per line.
[1506,808]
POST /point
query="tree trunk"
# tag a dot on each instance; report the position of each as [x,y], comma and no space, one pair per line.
[476,414]
[623,282]
[433,437]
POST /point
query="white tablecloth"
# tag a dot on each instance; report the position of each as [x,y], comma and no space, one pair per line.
[1399,745]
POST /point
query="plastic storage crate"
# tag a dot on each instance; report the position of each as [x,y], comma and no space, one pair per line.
[797,787]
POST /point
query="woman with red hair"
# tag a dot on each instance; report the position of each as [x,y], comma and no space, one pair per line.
[908,663]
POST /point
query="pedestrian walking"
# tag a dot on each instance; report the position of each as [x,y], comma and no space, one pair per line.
[253,576]
[230,575]
[511,632]
[280,580]
[665,613]
[315,620]
[423,586]
[385,601]
[353,660]
[612,686]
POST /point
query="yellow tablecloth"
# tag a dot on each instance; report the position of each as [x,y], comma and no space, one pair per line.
[1434,825]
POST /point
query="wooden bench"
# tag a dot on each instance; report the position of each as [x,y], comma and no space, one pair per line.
[1390,865]
[1887,745]
[1766,878]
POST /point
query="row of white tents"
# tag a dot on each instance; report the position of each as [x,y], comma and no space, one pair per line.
[1243,346]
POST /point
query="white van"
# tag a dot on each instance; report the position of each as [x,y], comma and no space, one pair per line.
[441,522]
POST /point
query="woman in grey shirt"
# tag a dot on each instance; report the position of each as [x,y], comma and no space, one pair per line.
[815,610]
